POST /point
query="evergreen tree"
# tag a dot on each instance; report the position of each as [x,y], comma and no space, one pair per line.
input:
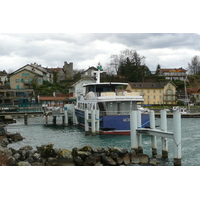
[132,66]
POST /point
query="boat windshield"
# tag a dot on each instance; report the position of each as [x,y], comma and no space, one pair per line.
[104,88]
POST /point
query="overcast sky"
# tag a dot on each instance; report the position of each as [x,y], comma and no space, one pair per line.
[87,49]
[51,32]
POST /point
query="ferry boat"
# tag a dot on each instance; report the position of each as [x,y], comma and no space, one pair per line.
[113,103]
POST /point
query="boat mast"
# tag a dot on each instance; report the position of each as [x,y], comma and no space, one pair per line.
[100,70]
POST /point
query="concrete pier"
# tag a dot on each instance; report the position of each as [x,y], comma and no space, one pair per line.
[163,133]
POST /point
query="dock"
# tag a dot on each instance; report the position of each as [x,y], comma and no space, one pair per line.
[188,115]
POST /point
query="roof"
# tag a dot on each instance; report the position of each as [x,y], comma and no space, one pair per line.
[193,90]
[33,66]
[16,72]
[52,98]
[3,73]
[83,78]
[149,84]
[106,83]
[94,68]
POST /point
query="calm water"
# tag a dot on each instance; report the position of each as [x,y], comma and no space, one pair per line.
[36,133]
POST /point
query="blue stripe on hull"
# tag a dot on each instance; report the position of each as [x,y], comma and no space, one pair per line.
[115,122]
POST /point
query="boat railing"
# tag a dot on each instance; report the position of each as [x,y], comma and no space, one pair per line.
[113,95]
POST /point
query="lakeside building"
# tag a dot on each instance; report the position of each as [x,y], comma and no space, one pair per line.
[56,100]
[173,73]
[14,97]
[194,92]
[77,88]
[25,76]
[160,93]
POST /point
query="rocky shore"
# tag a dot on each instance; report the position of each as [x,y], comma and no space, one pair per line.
[46,155]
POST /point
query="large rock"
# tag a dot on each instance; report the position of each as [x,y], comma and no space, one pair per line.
[108,161]
[98,150]
[153,161]
[14,137]
[4,159]
[126,159]
[140,159]
[83,154]
[90,160]
[23,163]
[78,161]
[46,150]
[17,156]
[120,151]
[86,148]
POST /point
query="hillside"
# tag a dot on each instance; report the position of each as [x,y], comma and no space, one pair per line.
[193,81]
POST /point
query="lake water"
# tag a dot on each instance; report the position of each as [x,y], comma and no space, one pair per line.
[36,133]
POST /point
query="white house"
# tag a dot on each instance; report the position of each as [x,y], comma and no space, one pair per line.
[77,88]
[3,77]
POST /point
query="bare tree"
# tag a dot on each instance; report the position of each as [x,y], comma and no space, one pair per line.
[194,66]
[114,63]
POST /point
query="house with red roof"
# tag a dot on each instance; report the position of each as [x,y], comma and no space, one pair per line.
[173,73]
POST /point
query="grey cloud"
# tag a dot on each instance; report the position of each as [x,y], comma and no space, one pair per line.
[52,49]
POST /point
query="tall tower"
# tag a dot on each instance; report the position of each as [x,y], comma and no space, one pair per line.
[68,69]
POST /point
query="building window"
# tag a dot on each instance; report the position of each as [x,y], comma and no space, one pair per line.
[154,96]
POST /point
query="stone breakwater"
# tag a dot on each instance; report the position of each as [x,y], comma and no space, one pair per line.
[46,155]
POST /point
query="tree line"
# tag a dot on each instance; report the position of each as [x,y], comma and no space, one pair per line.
[128,65]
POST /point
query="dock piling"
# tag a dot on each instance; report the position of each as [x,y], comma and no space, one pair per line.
[86,123]
[139,124]
[153,138]
[25,119]
[177,137]
[54,120]
[66,116]
[163,126]
[97,121]
[133,127]
[93,122]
